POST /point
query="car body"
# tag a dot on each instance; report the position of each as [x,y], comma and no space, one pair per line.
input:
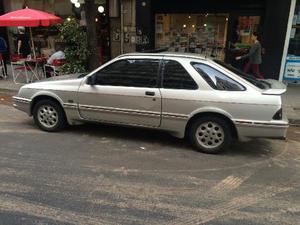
[166,91]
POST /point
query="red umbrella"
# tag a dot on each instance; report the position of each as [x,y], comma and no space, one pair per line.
[28,18]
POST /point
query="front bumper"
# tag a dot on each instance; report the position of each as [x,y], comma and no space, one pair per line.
[22,104]
[255,129]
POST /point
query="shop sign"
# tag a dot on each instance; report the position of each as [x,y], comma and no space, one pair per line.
[142,40]
[292,68]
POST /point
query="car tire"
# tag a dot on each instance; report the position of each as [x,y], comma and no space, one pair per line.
[210,134]
[49,116]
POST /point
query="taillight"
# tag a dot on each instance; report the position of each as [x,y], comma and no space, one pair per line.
[278,115]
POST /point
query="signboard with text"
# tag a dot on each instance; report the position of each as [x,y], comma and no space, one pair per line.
[292,68]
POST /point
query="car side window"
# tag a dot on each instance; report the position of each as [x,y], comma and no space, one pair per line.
[216,79]
[130,73]
[176,77]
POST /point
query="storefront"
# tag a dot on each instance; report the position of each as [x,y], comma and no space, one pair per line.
[290,68]
[46,38]
[196,33]
[215,28]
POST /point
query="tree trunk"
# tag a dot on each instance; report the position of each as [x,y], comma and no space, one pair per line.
[90,12]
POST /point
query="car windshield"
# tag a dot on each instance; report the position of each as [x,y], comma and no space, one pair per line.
[258,83]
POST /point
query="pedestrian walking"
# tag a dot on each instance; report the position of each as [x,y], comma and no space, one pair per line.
[23,46]
[254,56]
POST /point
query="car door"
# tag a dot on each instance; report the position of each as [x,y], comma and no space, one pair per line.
[179,91]
[125,91]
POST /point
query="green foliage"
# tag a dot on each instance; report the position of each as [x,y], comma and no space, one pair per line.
[77,53]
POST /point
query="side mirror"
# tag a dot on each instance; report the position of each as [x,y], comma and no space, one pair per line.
[91,80]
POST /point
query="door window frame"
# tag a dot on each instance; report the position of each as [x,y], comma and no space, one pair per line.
[162,75]
[158,77]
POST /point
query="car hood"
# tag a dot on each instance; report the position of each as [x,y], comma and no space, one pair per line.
[65,82]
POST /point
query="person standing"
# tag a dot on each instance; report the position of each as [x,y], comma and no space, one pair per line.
[254,56]
[3,52]
[23,46]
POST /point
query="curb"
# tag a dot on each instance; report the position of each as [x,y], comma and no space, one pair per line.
[9,90]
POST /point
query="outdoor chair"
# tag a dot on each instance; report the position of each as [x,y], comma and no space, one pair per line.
[54,69]
[2,67]
[19,68]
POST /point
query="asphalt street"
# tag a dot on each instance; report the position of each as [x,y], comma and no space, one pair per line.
[96,174]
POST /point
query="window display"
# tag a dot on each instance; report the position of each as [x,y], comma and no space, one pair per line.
[196,33]
[247,25]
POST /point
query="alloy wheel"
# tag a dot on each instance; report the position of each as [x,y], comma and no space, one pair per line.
[210,135]
[48,116]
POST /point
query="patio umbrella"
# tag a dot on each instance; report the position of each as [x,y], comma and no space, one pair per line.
[29,18]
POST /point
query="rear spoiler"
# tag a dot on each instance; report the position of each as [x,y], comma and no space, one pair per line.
[274,92]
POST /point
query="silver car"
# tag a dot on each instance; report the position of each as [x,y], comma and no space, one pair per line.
[190,96]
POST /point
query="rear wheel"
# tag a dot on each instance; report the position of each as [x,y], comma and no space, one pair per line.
[49,116]
[210,134]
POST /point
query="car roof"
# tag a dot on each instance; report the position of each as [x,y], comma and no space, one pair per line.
[169,54]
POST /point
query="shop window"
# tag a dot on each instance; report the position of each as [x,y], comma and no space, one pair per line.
[216,79]
[246,26]
[195,33]
[130,73]
[176,77]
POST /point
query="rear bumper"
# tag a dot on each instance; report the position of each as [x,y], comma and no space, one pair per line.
[22,104]
[274,129]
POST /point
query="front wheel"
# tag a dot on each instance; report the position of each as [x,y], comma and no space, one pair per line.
[49,116]
[210,134]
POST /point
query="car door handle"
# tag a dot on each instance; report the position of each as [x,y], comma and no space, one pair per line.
[150,93]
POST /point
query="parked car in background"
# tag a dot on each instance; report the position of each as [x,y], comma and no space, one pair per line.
[188,95]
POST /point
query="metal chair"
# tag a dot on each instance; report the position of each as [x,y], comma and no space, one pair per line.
[53,69]
[19,68]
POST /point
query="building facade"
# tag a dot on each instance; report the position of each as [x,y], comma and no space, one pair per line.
[213,27]
[216,28]
[46,38]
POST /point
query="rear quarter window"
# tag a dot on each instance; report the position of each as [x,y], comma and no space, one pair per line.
[216,79]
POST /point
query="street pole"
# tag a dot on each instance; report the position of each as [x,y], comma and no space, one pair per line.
[90,12]
[32,43]
[122,27]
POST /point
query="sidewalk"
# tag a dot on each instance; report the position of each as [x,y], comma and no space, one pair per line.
[291,103]
[9,85]
[291,99]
